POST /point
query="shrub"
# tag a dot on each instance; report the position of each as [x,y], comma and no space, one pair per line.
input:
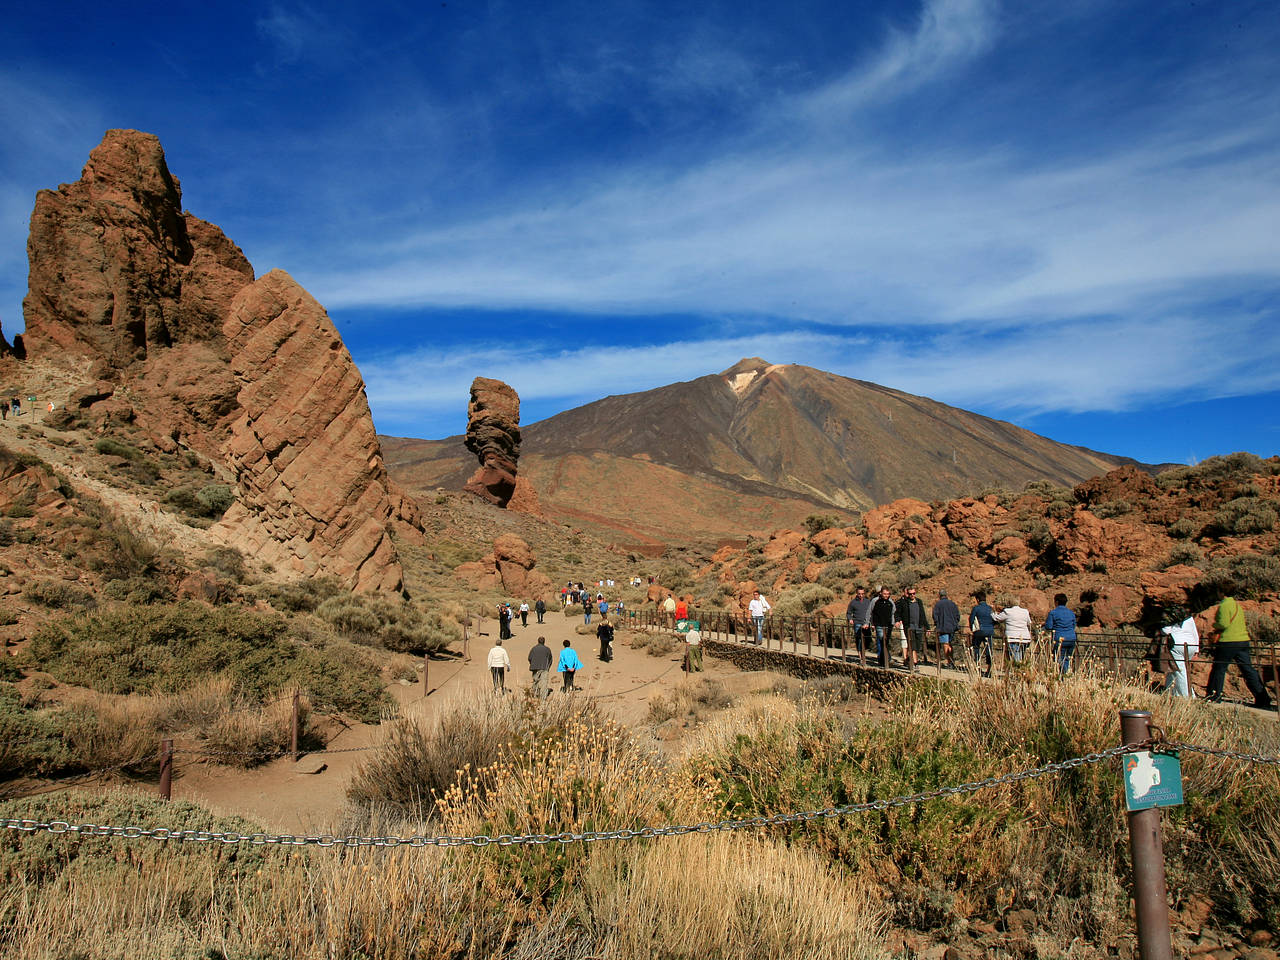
[803,600]
[57,594]
[817,522]
[228,561]
[111,447]
[418,762]
[1111,508]
[1184,528]
[1184,553]
[300,596]
[1244,515]
[215,499]
[1252,574]
[1233,466]
[165,648]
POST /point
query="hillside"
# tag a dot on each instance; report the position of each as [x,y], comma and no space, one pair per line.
[752,448]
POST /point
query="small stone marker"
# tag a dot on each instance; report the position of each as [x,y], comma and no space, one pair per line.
[310,765]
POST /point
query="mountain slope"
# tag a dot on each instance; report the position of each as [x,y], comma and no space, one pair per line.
[741,451]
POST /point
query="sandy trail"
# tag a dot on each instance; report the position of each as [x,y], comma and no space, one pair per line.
[309,796]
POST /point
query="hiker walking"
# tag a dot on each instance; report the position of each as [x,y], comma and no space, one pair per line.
[499,664]
[539,666]
[569,665]
[1232,646]
[540,608]
[604,633]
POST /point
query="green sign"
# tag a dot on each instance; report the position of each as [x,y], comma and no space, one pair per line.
[1152,780]
[684,626]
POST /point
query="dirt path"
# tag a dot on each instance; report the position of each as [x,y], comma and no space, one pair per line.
[309,796]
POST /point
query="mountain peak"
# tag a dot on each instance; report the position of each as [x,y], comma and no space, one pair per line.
[746,372]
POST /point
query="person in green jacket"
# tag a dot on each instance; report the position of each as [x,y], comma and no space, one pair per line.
[1233,647]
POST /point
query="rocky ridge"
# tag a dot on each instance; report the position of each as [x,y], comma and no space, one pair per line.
[162,316]
[751,449]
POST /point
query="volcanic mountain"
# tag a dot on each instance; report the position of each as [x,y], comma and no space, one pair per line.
[756,447]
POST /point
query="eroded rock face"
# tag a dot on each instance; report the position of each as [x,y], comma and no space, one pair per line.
[493,435]
[314,494]
[509,568]
[251,373]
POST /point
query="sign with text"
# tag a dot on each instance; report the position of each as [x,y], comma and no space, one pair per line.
[1152,780]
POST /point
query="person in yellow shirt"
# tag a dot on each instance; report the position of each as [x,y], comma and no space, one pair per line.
[1232,646]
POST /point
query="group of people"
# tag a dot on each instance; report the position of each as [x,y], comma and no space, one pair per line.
[7,404]
[879,619]
[507,614]
[499,662]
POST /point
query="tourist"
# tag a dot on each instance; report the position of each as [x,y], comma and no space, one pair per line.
[1017,629]
[602,605]
[910,613]
[539,664]
[693,651]
[982,628]
[586,609]
[524,613]
[4,409]
[884,614]
[946,618]
[858,616]
[1184,644]
[504,621]
[499,664]
[758,607]
[1232,646]
[569,665]
[1061,626]
[540,608]
[669,609]
[682,609]
[604,633]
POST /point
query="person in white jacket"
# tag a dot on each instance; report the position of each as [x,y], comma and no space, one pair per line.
[499,664]
[1017,629]
[758,607]
[1184,644]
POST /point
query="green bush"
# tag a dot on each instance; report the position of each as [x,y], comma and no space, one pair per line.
[111,447]
[817,522]
[1112,508]
[228,561]
[165,648]
[1184,528]
[215,499]
[1244,515]
[1233,466]
[57,594]
[803,600]
[300,596]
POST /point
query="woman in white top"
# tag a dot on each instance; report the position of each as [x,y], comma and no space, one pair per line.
[1184,644]
[499,664]
[1017,629]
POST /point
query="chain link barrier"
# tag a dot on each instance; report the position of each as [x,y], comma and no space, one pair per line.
[506,840]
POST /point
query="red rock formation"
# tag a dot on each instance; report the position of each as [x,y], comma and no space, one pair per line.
[183,341]
[510,569]
[493,435]
[314,494]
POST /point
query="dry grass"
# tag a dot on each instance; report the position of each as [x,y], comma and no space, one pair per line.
[692,698]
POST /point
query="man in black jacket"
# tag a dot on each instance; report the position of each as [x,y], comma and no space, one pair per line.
[946,617]
[883,616]
[910,613]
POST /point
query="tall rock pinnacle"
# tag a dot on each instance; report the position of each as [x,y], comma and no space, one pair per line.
[493,435]
[165,311]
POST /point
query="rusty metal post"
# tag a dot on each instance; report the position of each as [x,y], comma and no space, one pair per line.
[1150,893]
[166,769]
[293,729]
[1275,678]
[426,668]
[808,637]
[844,643]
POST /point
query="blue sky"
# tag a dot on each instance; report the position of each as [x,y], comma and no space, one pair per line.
[1065,215]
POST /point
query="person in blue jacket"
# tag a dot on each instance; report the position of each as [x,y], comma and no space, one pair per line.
[1061,627]
[568,665]
[982,626]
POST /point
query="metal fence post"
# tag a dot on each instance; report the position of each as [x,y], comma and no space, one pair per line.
[293,729]
[1150,894]
[166,769]
[426,669]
